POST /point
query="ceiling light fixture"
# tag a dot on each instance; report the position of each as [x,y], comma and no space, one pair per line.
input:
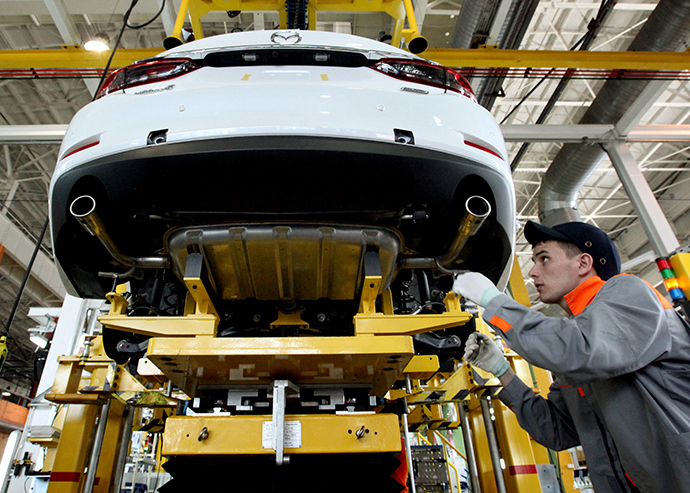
[39,340]
[6,393]
[100,42]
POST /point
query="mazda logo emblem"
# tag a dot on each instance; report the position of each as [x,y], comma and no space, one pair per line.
[286,38]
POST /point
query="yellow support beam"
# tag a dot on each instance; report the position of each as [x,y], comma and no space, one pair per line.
[192,325]
[204,305]
[196,322]
[380,324]
[370,290]
[636,60]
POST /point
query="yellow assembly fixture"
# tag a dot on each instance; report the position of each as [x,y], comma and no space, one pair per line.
[284,393]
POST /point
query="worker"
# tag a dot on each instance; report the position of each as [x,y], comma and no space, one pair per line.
[620,361]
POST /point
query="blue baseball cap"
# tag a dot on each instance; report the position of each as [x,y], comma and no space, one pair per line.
[586,237]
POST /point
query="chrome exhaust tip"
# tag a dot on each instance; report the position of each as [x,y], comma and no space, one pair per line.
[83,209]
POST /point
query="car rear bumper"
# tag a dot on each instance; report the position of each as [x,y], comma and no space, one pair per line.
[144,192]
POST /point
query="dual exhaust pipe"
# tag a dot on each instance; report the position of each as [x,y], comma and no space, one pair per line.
[83,208]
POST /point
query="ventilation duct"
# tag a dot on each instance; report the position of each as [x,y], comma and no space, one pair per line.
[466,25]
[513,30]
[593,29]
[665,30]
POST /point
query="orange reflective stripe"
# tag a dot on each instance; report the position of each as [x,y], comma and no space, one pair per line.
[582,392]
[499,323]
[633,483]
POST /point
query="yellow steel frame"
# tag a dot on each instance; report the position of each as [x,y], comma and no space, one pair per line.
[95,378]
[73,449]
[67,470]
[398,9]
[201,320]
[261,360]
[380,352]
[429,391]
[516,449]
[320,434]
[372,356]
[371,322]
[50,444]
[109,450]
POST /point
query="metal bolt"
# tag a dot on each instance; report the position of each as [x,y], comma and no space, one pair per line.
[256,317]
[360,433]
[321,317]
[204,434]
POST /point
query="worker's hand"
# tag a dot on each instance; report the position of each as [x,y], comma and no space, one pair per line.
[483,353]
[475,287]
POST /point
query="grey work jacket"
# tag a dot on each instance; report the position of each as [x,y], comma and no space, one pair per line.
[621,388]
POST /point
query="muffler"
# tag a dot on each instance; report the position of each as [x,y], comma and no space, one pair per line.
[84,210]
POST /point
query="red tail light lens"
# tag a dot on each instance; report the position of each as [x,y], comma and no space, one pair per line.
[425,73]
[147,73]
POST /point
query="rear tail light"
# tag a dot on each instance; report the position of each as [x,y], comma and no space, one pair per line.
[147,73]
[426,73]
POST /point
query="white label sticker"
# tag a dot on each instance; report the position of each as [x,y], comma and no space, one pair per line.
[293,434]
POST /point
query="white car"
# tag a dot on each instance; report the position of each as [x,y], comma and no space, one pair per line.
[282,158]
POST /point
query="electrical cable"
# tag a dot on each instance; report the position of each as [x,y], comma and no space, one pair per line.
[593,28]
[160,11]
[524,98]
[584,43]
[3,336]
[26,278]
[117,42]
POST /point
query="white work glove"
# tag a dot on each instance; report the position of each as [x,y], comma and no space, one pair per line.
[475,287]
[483,353]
